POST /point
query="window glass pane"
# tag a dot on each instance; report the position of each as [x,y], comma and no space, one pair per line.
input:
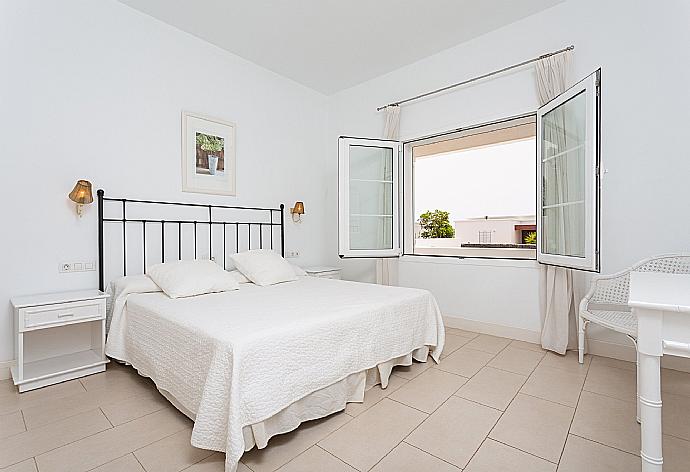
[563,230]
[371,232]
[563,178]
[371,163]
[563,152]
[371,197]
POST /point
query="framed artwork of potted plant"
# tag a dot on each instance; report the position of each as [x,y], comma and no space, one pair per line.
[208,155]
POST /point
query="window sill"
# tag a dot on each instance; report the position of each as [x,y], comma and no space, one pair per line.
[469,261]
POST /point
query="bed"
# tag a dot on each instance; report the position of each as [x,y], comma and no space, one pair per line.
[249,364]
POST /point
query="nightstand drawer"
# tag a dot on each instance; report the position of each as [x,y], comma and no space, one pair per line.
[323,272]
[63,313]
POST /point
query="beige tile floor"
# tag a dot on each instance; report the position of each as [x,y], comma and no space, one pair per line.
[491,405]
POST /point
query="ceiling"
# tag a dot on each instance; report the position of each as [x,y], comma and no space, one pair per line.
[330,45]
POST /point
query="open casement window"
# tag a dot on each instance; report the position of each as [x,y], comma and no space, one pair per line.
[568,178]
[368,224]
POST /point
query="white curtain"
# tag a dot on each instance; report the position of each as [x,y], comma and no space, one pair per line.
[556,300]
[391,130]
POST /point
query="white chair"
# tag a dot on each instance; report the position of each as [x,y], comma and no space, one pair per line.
[606,303]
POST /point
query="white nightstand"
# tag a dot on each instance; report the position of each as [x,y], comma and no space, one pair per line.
[58,337]
[323,272]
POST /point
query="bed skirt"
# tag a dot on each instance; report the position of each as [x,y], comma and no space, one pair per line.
[320,403]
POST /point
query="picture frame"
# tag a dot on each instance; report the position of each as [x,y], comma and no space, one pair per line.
[208,155]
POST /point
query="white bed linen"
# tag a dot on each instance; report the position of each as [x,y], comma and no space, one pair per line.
[123,286]
[238,358]
[318,404]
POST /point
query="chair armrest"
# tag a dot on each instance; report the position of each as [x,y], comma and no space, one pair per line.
[611,289]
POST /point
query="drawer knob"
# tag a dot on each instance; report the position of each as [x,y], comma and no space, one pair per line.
[65,315]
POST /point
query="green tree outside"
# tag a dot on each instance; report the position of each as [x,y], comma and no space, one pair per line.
[435,224]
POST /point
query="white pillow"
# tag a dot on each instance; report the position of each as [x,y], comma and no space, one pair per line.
[242,279]
[239,276]
[120,288]
[189,278]
[264,267]
[131,284]
[298,270]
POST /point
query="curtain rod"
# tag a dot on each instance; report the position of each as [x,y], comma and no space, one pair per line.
[474,79]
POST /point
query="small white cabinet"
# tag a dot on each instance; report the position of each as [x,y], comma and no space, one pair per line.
[58,337]
[323,272]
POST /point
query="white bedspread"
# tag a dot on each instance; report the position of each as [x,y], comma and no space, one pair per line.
[238,358]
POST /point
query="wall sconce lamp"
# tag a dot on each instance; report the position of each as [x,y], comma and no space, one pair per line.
[81,195]
[297,212]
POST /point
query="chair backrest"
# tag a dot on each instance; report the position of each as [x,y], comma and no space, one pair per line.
[616,290]
[668,264]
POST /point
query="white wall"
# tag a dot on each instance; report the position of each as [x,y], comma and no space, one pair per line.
[642,50]
[502,230]
[94,90]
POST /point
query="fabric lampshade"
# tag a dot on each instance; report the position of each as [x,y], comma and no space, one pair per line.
[81,193]
[299,208]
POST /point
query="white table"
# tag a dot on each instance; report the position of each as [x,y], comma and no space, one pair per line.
[662,305]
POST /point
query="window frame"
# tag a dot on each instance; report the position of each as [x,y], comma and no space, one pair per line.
[407,182]
[590,262]
[344,249]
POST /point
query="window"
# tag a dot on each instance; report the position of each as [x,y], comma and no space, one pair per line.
[485,237]
[474,192]
[568,165]
[368,194]
[482,179]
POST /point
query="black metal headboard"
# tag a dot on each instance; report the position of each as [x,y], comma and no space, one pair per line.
[228,225]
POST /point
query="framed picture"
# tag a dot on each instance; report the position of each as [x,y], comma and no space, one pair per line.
[208,155]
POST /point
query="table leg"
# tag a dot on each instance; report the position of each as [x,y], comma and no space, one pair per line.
[637,378]
[650,412]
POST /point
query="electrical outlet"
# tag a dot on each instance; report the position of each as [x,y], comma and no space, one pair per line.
[65,267]
[292,253]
